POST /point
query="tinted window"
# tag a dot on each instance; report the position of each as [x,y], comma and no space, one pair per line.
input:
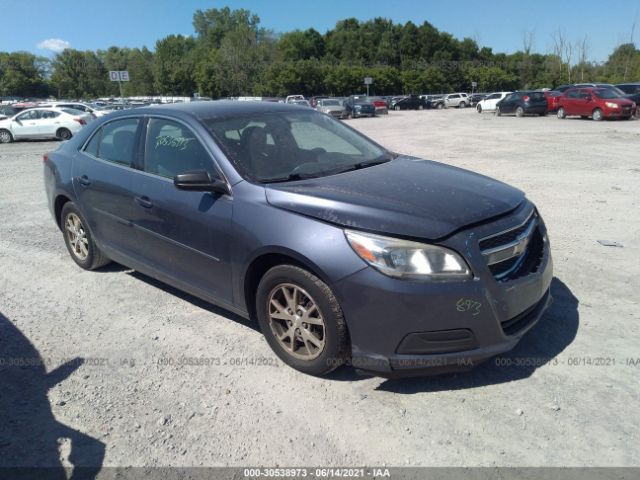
[171,148]
[118,140]
[573,94]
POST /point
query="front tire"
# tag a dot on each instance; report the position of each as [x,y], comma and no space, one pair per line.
[498,112]
[562,114]
[519,112]
[79,240]
[597,115]
[301,320]
[440,106]
[5,136]
[462,105]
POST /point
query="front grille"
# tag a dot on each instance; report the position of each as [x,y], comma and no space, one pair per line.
[514,253]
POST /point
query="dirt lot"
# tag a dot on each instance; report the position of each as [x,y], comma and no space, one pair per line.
[568,394]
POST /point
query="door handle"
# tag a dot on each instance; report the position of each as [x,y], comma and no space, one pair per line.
[144,201]
[84,181]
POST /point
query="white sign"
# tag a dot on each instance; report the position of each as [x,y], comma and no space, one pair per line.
[119,76]
[368,80]
[474,84]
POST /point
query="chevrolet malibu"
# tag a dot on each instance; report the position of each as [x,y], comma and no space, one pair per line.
[343,251]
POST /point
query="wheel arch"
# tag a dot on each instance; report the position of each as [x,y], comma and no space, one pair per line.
[267,259]
[58,204]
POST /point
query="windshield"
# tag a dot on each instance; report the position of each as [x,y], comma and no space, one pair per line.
[329,103]
[607,93]
[287,146]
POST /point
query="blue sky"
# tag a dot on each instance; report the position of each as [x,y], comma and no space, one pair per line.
[93,24]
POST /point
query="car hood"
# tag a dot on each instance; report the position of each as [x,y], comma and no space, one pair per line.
[332,108]
[405,197]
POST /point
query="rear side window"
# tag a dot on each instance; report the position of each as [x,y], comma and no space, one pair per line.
[115,141]
[171,148]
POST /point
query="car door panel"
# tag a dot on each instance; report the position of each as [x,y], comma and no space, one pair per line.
[183,234]
[104,187]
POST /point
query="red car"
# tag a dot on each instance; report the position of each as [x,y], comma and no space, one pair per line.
[553,98]
[597,103]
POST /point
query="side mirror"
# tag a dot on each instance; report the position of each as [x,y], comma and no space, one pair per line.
[200,181]
[17,120]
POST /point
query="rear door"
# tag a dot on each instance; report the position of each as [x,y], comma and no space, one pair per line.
[183,235]
[509,103]
[102,180]
[571,102]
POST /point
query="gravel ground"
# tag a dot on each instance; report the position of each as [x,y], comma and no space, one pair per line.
[116,389]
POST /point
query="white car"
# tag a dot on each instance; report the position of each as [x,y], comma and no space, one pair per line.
[490,101]
[293,98]
[83,107]
[460,100]
[43,122]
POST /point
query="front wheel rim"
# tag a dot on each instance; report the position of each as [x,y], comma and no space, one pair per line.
[5,137]
[77,236]
[296,321]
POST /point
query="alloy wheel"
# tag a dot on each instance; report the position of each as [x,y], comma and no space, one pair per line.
[296,321]
[5,137]
[77,236]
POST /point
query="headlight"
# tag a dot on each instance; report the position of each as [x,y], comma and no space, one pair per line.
[612,105]
[404,259]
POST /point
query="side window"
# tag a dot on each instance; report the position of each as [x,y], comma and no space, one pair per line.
[171,148]
[92,146]
[50,114]
[30,115]
[118,139]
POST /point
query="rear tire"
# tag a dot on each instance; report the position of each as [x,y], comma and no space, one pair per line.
[440,106]
[462,105]
[64,134]
[597,115]
[79,240]
[5,136]
[479,108]
[519,112]
[282,320]
[498,112]
[562,114]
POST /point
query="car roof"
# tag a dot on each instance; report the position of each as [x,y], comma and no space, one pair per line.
[210,110]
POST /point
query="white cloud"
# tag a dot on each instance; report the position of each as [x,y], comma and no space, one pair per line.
[54,44]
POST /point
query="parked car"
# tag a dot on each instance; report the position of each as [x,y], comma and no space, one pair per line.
[553,97]
[313,101]
[475,98]
[563,88]
[597,103]
[359,106]
[8,111]
[530,102]
[331,106]
[460,100]
[292,98]
[435,101]
[410,102]
[93,110]
[381,106]
[40,123]
[339,248]
[632,92]
[490,101]
[302,103]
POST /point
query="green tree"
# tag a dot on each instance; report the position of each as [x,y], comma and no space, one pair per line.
[174,65]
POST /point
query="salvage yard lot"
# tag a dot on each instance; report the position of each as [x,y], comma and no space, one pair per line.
[170,380]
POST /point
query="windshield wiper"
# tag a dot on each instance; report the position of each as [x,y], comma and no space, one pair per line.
[291,177]
[304,176]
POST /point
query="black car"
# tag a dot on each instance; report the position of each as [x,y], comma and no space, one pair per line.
[563,88]
[359,106]
[523,103]
[410,102]
[340,249]
[632,92]
[477,97]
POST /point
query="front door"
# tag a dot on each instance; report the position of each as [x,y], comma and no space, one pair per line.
[27,124]
[183,235]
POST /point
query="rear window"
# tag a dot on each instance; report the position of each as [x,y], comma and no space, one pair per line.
[115,141]
[537,96]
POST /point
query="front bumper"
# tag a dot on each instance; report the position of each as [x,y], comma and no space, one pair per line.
[403,327]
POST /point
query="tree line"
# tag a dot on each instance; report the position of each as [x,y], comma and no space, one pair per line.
[231,54]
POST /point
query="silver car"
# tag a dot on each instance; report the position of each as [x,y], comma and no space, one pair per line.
[331,106]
